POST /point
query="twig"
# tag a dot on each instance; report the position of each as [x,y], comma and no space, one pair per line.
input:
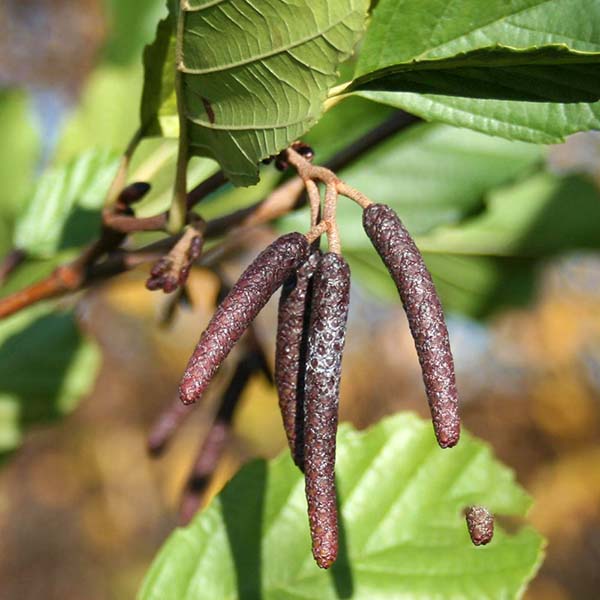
[166,425]
[212,447]
[10,262]
[287,197]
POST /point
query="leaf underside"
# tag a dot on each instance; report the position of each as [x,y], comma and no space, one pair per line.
[255,75]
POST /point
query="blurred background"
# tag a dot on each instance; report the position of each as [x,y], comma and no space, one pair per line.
[510,232]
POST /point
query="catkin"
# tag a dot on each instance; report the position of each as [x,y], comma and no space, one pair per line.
[327,330]
[425,316]
[239,308]
[480,523]
[290,354]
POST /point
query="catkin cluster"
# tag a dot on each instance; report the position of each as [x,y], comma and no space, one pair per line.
[312,317]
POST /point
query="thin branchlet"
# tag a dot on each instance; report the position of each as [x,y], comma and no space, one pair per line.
[326,335]
[233,316]
[166,425]
[425,316]
[290,353]
[214,443]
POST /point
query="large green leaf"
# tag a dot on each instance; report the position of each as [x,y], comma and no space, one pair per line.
[253,77]
[403,534]
[64,210]
[403,31]
[46,366]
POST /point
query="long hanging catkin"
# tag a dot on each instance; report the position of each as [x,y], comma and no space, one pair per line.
[239,308]
[425,316]
[327,331]
[290,354]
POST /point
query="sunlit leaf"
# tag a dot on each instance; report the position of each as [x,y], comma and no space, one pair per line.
[403,532]
[407,31]
[64,210]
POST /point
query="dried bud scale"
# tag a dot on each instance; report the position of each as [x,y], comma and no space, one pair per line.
[290,353]
[247,297]
[327,331]
[425,316]
[480,523]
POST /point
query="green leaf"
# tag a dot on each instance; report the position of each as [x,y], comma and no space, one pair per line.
[253,77]
[403,31]
[473,285]
[19,151]
[159,100]
[131,25]
[539,217]
[106,116]
[547,74]
[403,534]
[64,210]
[46,366]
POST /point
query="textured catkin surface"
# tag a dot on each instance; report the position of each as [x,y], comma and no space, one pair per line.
[480,523]
[425,316]
[290,353]
[327,331]
[239,308]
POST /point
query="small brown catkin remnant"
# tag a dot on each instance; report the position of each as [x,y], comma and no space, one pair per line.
[290,353]
[480,523]
[425,316]
[327,332]
[239,308]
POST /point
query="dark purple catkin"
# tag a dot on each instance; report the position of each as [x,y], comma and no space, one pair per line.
[425,316]
[239,308]
[214,444]
[166,425]
[290,353]
[480,523]
[326,334]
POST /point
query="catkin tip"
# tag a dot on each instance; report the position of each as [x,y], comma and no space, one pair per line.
[186,395]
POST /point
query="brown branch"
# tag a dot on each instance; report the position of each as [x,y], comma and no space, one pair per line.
[129,224]
[166,425]
[287,197]
[207,187]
